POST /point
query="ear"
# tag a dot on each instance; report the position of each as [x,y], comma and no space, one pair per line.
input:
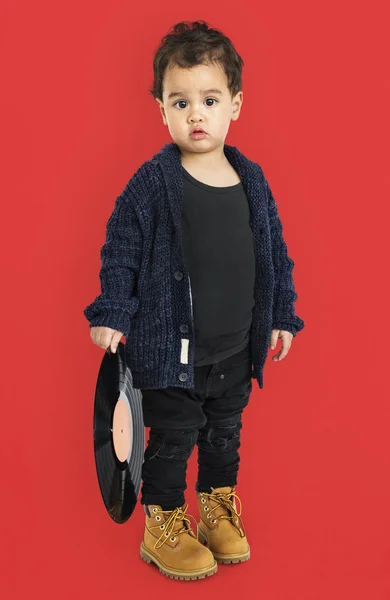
[162,110]
[236,105]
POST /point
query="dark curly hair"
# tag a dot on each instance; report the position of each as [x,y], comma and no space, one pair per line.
[194,43]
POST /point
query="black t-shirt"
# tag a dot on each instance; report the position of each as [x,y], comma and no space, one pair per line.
[219,253]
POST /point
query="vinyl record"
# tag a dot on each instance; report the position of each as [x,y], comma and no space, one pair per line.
[119,435]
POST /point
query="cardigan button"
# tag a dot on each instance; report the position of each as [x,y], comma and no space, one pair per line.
[178,275]
[184,328]
[183,376]
[154,161]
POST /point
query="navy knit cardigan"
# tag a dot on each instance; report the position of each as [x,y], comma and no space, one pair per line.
[145,284]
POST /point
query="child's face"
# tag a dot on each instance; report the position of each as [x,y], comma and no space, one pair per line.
[195,106]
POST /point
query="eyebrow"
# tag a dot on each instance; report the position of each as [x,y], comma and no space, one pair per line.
[209,91]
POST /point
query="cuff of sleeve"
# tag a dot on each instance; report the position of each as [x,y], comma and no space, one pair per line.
[100,314]
[293,326]
[115,319]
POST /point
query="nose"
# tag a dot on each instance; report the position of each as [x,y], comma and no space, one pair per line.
[195,116]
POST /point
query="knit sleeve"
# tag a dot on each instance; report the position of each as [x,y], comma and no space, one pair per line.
[283,315]
[120,263]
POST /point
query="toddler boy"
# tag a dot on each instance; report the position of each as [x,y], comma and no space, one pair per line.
[195,273]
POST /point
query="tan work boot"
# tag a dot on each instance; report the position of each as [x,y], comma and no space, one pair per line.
[171,544]
[221,527]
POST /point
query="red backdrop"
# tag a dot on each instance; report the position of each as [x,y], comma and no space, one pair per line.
[77,121]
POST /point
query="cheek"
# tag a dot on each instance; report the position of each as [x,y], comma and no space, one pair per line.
[173,119]
[178,126]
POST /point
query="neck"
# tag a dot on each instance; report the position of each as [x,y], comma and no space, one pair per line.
[204,160]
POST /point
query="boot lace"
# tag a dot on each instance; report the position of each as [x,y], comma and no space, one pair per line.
[226,500]
[174,518]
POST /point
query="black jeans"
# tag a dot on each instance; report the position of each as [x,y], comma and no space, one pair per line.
[208,415]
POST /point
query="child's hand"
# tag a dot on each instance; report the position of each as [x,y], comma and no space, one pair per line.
[105,337]
[286,338]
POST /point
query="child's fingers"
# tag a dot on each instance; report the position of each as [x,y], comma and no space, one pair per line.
[116,338]
[274,338]
[286,345]
[102,336]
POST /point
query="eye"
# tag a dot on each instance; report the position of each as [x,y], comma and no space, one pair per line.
[213,99]
[180,101]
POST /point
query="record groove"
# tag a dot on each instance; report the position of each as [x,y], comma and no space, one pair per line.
[119,435]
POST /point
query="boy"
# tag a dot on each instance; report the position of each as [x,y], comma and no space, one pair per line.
[195,245]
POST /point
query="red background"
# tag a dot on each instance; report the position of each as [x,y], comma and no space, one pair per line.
[76,122]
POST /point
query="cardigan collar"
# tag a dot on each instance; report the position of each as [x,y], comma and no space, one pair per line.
[250,173]
[170,157]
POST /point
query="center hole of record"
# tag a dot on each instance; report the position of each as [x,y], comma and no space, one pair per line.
[122,429]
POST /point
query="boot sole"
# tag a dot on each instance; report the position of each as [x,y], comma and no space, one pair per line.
[149,557]
[225,559]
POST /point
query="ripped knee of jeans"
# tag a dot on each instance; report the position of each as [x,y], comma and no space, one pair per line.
[220,437]
[174,445]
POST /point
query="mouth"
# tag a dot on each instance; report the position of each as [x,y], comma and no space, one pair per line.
[198,131]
